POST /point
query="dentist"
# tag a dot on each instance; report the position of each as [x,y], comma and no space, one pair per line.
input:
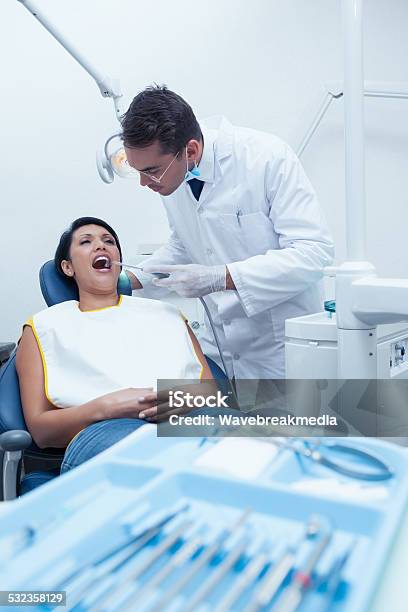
[247,230]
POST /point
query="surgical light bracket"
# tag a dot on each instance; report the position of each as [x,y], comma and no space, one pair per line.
[109,87]
[334,90]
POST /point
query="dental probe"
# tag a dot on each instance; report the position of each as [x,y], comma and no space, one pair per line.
[132,267]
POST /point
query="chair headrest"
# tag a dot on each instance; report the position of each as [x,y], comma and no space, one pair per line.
[57,289]
[54,287]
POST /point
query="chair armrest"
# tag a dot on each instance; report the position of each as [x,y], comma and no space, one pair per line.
[15,440]
[12,444]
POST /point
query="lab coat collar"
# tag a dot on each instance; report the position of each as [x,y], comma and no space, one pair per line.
[218,134]
[207,162]
[219,131]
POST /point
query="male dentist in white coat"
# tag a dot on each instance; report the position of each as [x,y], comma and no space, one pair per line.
[247,231]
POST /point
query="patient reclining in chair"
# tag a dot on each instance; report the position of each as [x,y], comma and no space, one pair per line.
[88,369]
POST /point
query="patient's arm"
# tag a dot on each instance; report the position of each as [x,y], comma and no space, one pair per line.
[55,427]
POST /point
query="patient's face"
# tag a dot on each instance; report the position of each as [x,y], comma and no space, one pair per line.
[93,249]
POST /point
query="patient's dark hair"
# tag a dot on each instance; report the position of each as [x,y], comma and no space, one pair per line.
[64,246]
[159,114]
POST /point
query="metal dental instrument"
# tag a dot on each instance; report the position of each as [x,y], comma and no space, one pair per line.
[158,519]
[91,576]
[354,462]
[159,550]
[189,548]
[250,573]
[217,575]
[302,579]
[63,571]
[199,563]
[336,577]
[85,577]
[132,267]
[276,574]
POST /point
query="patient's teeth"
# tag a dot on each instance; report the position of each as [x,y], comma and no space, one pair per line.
[101,262]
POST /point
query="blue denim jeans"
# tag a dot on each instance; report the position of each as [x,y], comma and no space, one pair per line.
[35,479]
[99,436]
[87,444]
[96,438]
[93,440]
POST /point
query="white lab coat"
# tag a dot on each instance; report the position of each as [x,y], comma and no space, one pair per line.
[259,214]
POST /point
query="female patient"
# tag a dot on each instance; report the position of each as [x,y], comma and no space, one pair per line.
[87,369]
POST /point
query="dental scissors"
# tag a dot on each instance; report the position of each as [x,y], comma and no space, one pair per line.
[346,459]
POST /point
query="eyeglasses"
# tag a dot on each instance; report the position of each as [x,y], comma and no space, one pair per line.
[157,179]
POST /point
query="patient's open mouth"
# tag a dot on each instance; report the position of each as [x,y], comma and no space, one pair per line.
[102,262]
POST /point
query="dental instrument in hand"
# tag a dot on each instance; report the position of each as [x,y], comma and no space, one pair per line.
[132,267]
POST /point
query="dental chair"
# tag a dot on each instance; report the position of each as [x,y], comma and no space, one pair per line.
[15,440]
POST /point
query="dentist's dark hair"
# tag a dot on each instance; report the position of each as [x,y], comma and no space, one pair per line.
[158,114]
[64,246]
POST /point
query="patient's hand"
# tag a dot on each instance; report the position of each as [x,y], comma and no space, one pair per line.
[126,403]
[156,407]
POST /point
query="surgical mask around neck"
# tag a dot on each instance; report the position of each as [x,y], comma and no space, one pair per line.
[193,173]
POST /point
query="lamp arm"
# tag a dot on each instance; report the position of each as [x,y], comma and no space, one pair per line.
[109,88]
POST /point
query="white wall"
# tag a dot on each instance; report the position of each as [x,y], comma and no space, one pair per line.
[260,63]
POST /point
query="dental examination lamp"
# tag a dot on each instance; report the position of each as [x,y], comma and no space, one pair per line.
[107,162]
